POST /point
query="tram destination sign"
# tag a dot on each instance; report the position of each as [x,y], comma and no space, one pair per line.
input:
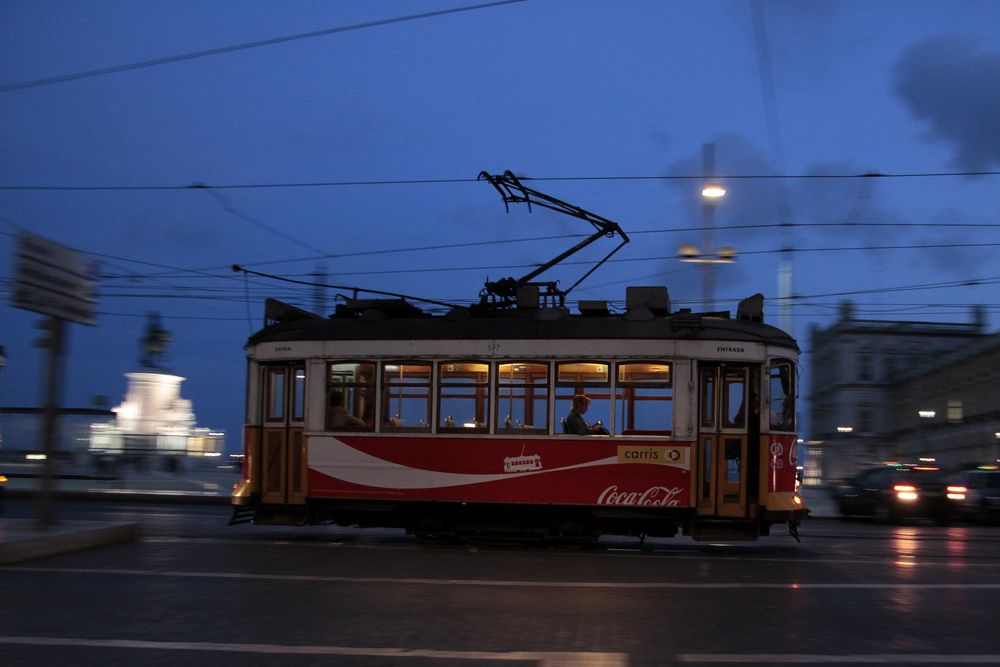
[54,280]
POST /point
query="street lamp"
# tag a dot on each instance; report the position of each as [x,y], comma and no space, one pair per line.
[925,417]
[707,255]
[713,191]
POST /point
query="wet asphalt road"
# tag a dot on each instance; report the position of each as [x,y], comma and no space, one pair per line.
[194,591]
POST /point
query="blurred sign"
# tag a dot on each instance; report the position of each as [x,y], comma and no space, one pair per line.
[53,280]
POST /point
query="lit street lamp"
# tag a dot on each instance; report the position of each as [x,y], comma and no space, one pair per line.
[711,195]
[713,191]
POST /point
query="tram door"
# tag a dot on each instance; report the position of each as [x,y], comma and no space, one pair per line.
[725,468]
[283,456]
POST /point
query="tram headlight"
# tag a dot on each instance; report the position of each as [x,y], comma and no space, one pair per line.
[956,492]
[905,492]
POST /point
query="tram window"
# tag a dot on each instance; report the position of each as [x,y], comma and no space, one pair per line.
[406,396]
[350,396]
[645,398]
[734,460]
[781,397]
[275,386]
[523,396]
[706,467]
[590,378]
[734,395]
[298,394]
[464,396]
[708,397]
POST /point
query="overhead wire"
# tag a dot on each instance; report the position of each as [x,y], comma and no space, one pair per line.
[444,181]
[206,53]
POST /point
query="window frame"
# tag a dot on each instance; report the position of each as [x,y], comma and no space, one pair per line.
[351,391]
[386,417]
[526,399]
[603,398]
[628,404]
[481,397]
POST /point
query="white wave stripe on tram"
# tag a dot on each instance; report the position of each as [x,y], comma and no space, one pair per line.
[332,457]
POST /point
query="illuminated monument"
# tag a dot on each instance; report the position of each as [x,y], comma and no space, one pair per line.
[153,418]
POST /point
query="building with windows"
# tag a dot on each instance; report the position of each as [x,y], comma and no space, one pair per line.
[901,390]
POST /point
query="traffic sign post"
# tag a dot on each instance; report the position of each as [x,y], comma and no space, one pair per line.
[60,283]
[53,280]
[50,429]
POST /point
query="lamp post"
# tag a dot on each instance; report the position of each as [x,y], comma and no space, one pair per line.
[926,416]
[711,194]
[3,364]
[707,256]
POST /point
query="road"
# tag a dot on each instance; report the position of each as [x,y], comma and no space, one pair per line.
[198,591]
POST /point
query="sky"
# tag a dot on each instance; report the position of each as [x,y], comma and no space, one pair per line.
[858,142]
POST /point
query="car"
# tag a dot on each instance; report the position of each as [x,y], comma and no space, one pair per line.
[892,493]
[982,498]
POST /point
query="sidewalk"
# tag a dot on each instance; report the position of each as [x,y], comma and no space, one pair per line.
[23,539]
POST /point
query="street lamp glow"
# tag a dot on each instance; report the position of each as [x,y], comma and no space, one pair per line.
[691,253]
[845,429]
[926,414]
[713,191]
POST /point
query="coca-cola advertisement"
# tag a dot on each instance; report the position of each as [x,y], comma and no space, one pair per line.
[567,471]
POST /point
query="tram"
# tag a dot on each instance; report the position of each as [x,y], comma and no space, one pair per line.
[453,424]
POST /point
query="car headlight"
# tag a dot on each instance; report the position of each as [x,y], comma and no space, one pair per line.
[956,492]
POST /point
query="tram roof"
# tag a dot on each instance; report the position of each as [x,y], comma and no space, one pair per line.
[403,321]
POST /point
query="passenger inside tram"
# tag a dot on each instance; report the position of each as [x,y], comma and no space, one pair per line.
[575,424]
[338,414]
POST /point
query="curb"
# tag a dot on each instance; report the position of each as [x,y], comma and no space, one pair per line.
[20,541]
[183,497]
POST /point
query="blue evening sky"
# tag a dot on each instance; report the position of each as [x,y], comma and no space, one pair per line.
[410,93]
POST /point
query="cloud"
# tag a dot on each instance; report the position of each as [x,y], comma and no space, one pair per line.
[951,84]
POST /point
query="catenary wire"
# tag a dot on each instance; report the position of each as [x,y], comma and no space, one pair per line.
[155,62]
[443,181]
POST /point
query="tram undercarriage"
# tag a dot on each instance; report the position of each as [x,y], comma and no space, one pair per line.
[493,522]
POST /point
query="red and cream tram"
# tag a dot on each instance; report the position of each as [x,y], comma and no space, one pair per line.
[452,424]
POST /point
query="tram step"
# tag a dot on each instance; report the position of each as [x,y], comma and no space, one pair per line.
[241,515]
